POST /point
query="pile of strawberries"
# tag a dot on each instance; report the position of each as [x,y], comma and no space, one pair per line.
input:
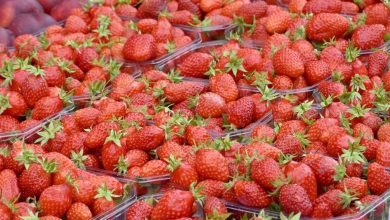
[120,111]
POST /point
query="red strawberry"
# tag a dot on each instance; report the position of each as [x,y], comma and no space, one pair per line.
[171,148]
[383,132]
[332,56]
[190,6]
[99,133]
[214,207]
[211,164]
[337,143]
[377,62]
[316,71]
[139,210]
[13,104]
[377,14]
[85,191]
[154,168]
[318,6]
[282,82]
[324,169]
[296,6]
[278,22]
[136,158]
[293,199]
[251,194]
[147,138]
[25,44]
[223,84]
[9,185]
[288,62]
[210,105]
[79,210]
[382,156]
[35,179]
[8,123]
[113,149]
[253,10]
[86,117]
[54,76]
[305,49]
[195,65]
[240,113]
[55,200]
[178,92]
[211,187]
[196,135]
[151,8]
[182,17]
[74,142]
[368,36]
[47,106]
[5,212]
[183,174]
[34,88]
[183,200]
[333,199]
[282,110]
[75,24]
[353,184]
[322,210]
[324,26]
[329,88]
[265,172]
[86,57]
[139,48]
[23,209]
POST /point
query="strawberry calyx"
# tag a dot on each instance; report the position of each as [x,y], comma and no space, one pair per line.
[4,151]
[340,170]
[78,158]
[31,216]
[354,153]
[97,89]
[49,132]
[235,63]
[103,29]
[49,166]
[174,76]
[104,192]
[66,97]
[7,72]
[345,123]
[215,215]
[196,193]
[337,76]
[42,38]
[267,94]
[241,25]
[212,69]
[351,53]
[197,22]
[279,183]
[301,109]
[173,162]
[292,216]
[165,14]
[326,101]
[223,144]
[170,46]
[284,159]
[347,197]
[261,78]
[65,65]
[299,33]
[115,137]
[357,111]
[193,101]
[122,166]
[262,215]
[302,138]
[133,26]
[114,68]
[92,3]
[27,157]
[234,36]
[36,71]
[4,103]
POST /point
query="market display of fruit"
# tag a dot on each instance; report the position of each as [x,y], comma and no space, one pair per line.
[194,109]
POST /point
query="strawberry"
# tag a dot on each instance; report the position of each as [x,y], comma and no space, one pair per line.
[112,150]
[34,88]
[278,22]
[35,179]
[47,106]
[151,8]
[296,6]
[318,6]
[368,36]
[86,57]
[240,112]
[8,123]
[54,76]
[178,92]
[25,44]
[102,205]
[136,158]
[324,169]
[329,88]
[324,26]
[353,184]
[305,49]
[196,135]
[383,132]
[321,210]
[79,210]
[75,24]
[183,174]
[210,105]
[211,187]
[337,143]
[154,168]
[183,200]
[126,10]
[139,210]
[161,32]
[223,84]
[316,71]
[139,48]
[349,8]
[211,164]
[182,17]
[282,110]
[23,209]
[214,207]
[208,6]
[288,62]
[189,6]
[13,104]
[251,194]
[99,133]
[9,185]
[265,172]
[251,11]
[195,65]
[84,192]
[74,142]
[381,154]
[293,198]
[377,14]
[55,200]
[333,199]
[147,138]
[377,63]
[5,212]
[302,175]
[86,117]
[263,132]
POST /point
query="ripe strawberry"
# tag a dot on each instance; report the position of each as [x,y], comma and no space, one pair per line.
[368,36]
[316,71]
[55,200]
[330,88]
[293,199]
[178,92]
[288,62]
[353,184]
[139,48]
[162,31]
[183,200]
[282,110]
[282,82]
[278,22]
[136,158]
[302,175]
[183,174]
[223,84]
[240,112]
[324,26]
[13,104]
[318,6]
[321,210]
[182,17]
[5,212]
[170,148]
[74,142]
[9,185]
[381,154]
[99,133]
[139,210]
[377,62]
[251,194]
[85,191]
[154,168]
[79,210]
[337,143]
[47,106]
[25,44]
[126,10]
[35,179]
[214,207]
[23,209]
[211,164]
[75,24]
[86,57]
[196,135]
[34,88]
[252,10]
[211,187]
[275,41]
[377,14]
[265,172]
[296,6]
[86,117]
[113,149]
[102,205]
[333,199]
[263,132]
[8,123]
[146,25]
[147,138]
[305,49]
[195,65]
[383,132]
[324,169]
[190,6]
[208,6]
[210,105]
